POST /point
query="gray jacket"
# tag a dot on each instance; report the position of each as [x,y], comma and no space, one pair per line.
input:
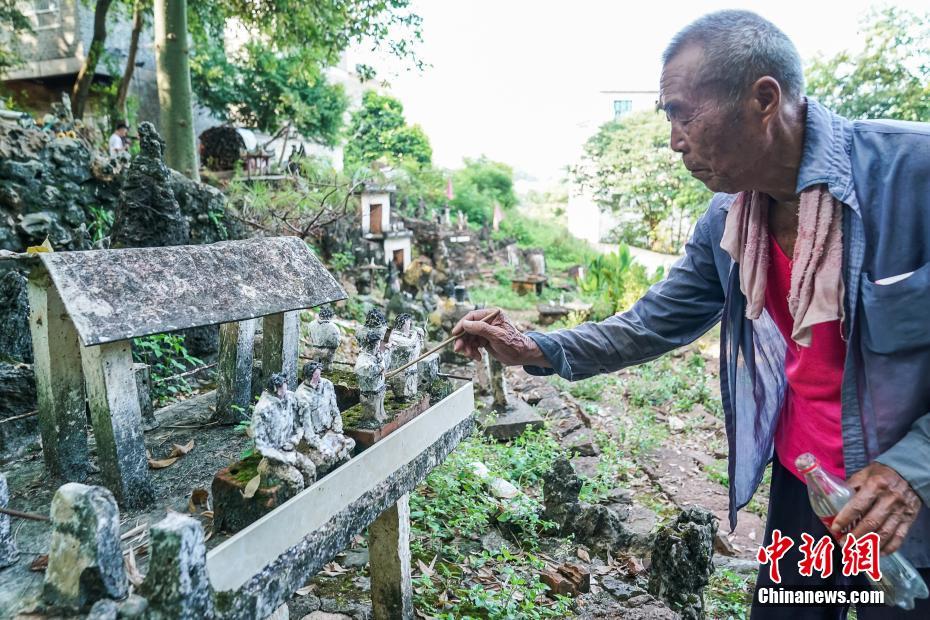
[880,171]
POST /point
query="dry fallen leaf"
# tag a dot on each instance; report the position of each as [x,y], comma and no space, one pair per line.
[177,452]
[40,563]
[252,487]
[583,555]
[426,570]
[182,450]
[199,501]
[304,591]
[132,570]
[162,463]
[333,569]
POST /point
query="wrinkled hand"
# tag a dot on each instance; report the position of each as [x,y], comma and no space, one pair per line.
[884,502]
[500,337]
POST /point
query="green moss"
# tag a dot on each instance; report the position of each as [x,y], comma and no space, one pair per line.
[352,417]
[246,469]
[342,375]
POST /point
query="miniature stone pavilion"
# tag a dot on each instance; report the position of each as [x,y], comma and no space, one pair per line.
[379,228]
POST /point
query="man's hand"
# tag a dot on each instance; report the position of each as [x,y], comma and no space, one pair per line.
[500,337]
[884,502]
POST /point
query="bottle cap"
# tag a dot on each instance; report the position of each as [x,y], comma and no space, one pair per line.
[806,463]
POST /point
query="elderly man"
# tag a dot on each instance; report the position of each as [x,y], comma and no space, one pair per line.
[814,255]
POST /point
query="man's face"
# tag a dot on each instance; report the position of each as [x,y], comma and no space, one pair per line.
[718,143]
[122,131]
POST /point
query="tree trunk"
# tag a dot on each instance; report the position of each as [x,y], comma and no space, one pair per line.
[137,23]
[85,78]
[174,86]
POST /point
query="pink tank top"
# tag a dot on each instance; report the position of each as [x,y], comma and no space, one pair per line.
[810,419]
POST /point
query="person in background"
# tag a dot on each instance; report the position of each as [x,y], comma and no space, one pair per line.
[119,139]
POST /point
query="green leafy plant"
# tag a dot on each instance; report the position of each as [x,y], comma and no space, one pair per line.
[168,359]
[613,282]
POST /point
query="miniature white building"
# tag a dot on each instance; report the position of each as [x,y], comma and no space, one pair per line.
[378,227]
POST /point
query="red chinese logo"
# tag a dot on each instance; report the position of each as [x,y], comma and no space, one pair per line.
[817,556]
[861,556]
[773,553]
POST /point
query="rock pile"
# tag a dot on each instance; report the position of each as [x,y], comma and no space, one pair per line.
[682,561]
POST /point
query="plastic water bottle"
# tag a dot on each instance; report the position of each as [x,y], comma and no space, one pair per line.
[900,581]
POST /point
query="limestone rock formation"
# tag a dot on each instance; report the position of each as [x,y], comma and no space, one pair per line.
[149,214]
[682,561]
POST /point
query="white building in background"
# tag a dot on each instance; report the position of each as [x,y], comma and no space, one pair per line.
[585,219]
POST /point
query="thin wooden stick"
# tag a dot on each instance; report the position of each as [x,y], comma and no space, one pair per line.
[439,346]
[24,515]
[19,417]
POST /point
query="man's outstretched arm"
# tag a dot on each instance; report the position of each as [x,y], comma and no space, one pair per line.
[674,312]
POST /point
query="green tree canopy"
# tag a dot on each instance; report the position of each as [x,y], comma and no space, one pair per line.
[378,130]
[631,170]
[480,184]
[277,75]
[889,77]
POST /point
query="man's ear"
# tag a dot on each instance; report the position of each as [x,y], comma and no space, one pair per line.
[765,98]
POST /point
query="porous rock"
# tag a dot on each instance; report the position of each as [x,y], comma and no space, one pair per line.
[177,586]
[8,552]
[85,560]
[596,526]
[148,214]
[682,561]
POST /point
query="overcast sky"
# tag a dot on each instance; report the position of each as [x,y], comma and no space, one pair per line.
[516,79]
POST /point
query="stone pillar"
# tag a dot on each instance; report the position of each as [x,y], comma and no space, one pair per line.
[280,342]
[85,560]
[234,379]
[117,422]
[482,377]
[177,586]
[143,376]
[498,385]
[8,553]
[59,381]
[389,552]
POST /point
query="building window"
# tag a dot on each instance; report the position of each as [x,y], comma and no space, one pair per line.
[621,107]
[44,14]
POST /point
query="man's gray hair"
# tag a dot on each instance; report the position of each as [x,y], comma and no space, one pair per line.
[739,48]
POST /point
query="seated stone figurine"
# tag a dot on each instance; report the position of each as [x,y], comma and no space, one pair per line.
[374,321]
[320,420]
[324,337]
[276,436]
[369,368]
[406,343]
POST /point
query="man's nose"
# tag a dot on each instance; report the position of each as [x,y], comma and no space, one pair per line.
[677,141]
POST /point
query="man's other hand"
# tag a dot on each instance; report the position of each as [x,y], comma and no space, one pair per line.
[884,502]
[500,337]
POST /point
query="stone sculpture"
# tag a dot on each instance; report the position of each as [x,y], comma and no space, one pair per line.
[324,337]
[406,343]
[320,421]
[376,322]
[369,368]
[277,435]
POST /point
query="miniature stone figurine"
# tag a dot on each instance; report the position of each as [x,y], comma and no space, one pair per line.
[374,321]
[406,343]
[369,368]
[324,337]
[320,421]
[277,435]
